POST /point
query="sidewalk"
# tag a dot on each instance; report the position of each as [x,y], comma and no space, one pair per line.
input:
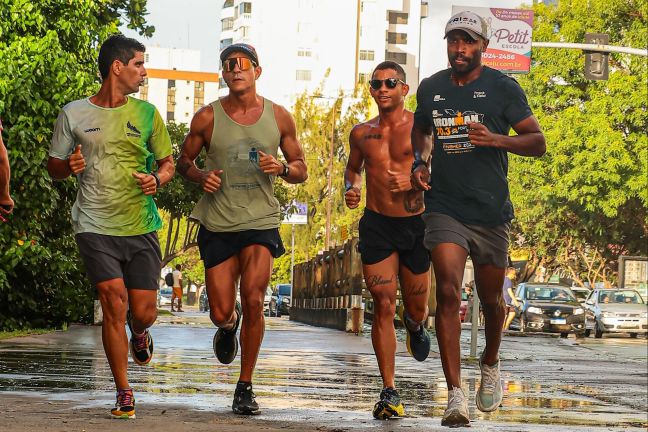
[314,379]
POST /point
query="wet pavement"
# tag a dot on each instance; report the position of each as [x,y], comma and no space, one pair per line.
[311,378]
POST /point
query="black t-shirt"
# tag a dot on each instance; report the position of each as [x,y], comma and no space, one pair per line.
[469,183]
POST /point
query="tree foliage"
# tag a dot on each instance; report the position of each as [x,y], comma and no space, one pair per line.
[47,61]
[585,201]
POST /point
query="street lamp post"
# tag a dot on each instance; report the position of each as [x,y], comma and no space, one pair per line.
[330,179]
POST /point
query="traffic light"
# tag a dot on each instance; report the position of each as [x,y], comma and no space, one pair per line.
[596,63]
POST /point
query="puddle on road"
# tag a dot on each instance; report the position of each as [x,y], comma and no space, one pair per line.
[296,380]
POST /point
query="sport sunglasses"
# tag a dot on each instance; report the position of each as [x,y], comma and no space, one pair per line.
[391,83]
[243,63]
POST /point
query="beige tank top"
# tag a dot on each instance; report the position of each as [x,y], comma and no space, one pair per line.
[246,199]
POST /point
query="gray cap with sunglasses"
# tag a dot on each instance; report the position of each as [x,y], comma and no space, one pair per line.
[244,48]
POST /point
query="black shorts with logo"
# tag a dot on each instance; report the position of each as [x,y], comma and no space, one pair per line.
[216,247]
[135,259]
[380,236]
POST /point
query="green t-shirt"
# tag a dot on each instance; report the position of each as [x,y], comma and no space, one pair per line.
[115,143]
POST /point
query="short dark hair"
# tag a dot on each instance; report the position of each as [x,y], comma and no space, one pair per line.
[178,267]
[117,47]
[390,65]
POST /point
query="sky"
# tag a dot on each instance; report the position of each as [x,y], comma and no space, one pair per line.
[195,24]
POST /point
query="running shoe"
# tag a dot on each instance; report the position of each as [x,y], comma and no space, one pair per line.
[225,342]
[489,395]
[389,405]
[457,412]
[244,400]
[125,405]
[418,343]
[141,347]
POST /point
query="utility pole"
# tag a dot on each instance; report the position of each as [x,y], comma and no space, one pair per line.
[329,200]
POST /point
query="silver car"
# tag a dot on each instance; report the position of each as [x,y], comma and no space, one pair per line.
[615,311]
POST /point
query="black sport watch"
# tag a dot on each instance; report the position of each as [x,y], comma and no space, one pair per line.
[157,179]
[417,163]
[286,170]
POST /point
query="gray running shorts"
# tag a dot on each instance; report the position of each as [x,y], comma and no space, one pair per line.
[135,259]
[485,245]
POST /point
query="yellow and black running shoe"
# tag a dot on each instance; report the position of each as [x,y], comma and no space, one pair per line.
[125,406]
[389,405]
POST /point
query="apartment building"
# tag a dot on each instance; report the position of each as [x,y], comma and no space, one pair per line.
[325,46]
[174,84]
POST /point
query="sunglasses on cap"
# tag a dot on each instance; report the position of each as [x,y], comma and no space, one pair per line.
[391,83]
[243,63]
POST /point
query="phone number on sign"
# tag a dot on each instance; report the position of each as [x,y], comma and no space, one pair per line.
[488,55]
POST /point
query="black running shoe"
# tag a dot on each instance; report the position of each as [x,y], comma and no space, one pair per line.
[389,405]
[225,342]
[244,400]
[141,347]
[418,343]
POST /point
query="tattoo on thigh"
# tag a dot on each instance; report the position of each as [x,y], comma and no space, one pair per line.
[417,290]
[378,280]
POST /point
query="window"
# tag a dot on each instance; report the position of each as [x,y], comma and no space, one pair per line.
[199,95]
[144,92]
[243,32]
[366,55]
[400,58]
[228,3]
[398,17]
[170,116]
[245,8]
[171,84]
[225,43]
[396,38]
[364,78]
[146,58]
[303,75]
[228,24]
[304,52]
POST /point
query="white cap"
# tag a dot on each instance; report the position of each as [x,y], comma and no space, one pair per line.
[469,22]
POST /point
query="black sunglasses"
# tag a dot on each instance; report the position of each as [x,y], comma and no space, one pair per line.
[391,83]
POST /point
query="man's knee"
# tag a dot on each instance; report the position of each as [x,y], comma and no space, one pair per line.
[145,314]
[493,303]
[252,305]
[114,300]
[447,297]
[221,317]
[417,311]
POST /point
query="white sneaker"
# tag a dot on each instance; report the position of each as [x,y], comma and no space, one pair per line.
[490,393]
[457,412]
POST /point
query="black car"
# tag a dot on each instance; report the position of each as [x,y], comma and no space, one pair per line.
[280,300]
[549,309]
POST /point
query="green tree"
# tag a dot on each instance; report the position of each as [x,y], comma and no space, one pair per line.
[47,62]
[585,201]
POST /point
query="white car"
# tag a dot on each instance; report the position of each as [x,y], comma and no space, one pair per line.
[615,311]
[164,295]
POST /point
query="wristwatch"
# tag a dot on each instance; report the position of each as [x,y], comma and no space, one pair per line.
[417,163]
[157,179]
[286,170]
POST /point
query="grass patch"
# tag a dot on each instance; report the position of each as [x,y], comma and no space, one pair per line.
[22,333]
[164,312]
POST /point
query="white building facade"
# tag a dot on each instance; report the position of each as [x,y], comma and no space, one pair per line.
[174,84]
[323,46]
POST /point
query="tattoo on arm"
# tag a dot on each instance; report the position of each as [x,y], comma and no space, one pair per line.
[413,202]
[378,280]
[183,166]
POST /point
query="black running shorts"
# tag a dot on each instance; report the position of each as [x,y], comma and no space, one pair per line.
[380,236]
[216,247]
[135,259]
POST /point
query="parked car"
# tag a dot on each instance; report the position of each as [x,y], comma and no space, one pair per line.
[164,295]
[548,308]
[280,297]
[581,294]
[615,311]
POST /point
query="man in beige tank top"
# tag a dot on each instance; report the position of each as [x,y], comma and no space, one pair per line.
[239,214]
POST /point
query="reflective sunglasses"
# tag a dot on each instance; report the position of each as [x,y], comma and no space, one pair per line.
[391,83]
[243,63]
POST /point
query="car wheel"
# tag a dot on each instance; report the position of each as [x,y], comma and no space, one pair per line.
[633,335]
[588,332]
[564,335]
[598,333]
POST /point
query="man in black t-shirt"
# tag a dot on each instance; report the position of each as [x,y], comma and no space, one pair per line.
[460,140]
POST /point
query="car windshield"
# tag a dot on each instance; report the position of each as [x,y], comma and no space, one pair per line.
[581,294]
[165,291]
[284,289]
[549,294]
[620,297]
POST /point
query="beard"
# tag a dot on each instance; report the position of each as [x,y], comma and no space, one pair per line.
[469,63]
